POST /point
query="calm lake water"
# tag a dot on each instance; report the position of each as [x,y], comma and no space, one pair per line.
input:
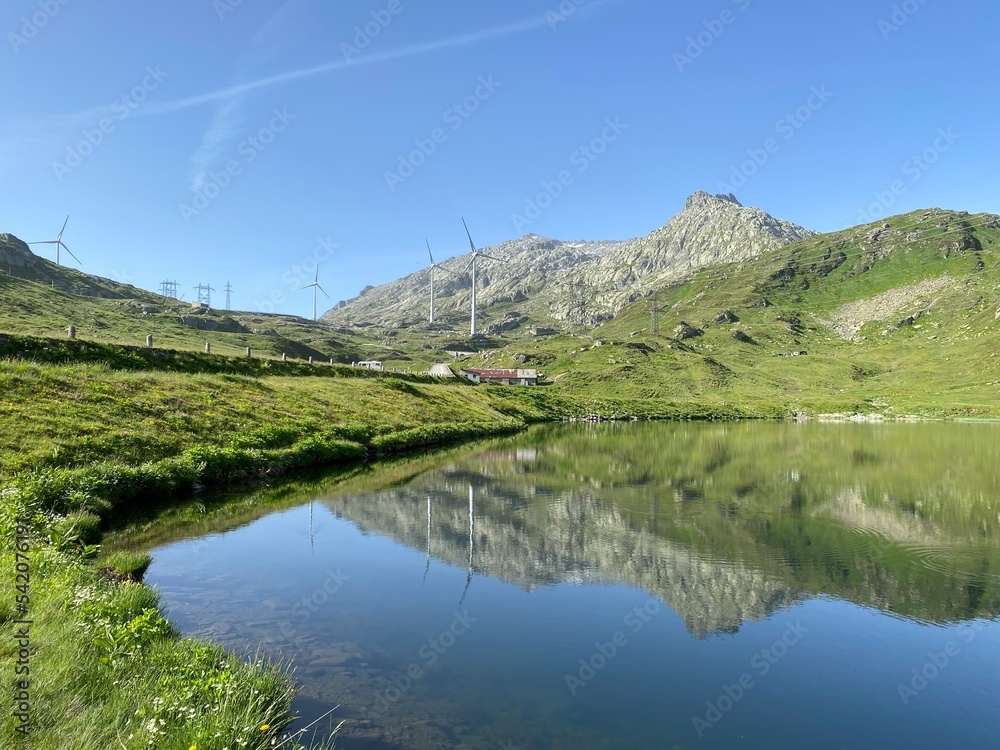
[716,586]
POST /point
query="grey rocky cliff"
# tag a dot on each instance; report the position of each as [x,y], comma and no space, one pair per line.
[528,265]
[710,230]
[14,252]
[578,282]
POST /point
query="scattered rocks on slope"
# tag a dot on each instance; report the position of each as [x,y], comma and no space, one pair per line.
[848,319]
[880,234]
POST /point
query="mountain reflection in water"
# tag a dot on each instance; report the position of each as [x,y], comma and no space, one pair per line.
[500,574]
[694,519]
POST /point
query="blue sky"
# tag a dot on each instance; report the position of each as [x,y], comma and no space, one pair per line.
[241,141]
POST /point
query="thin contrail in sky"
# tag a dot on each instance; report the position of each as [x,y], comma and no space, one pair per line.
[85,117]
[464,40]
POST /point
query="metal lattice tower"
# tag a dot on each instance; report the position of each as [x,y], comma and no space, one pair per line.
[168,288]
[229,291]
[205,294]
[654,312]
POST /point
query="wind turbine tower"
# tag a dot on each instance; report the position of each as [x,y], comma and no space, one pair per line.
[59,243]
[433,267]
[472,542]
[315,286]
[472,264]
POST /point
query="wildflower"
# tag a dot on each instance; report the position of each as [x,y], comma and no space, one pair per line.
[264,727]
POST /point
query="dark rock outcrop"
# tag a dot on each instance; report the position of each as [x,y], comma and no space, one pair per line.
[15,253]
[683,331]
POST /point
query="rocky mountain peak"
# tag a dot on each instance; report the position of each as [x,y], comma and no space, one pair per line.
[583,283]
[710,230]
[700,199]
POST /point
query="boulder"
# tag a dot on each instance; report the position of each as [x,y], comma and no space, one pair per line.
[683,331]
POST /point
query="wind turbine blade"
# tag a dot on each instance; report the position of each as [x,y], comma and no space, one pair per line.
[64,226]
[468,266]
[43,242]
[71,253]
[490,257]
[316,280]
[324,291]
[469,235]
[429,252]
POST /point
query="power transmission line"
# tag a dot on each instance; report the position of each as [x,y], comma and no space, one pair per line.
[205,294]
[168,289]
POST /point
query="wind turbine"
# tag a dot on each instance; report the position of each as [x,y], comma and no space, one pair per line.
[472,543]
[58,243]
[434,266]
[315,285]
[428,566]
[472,264]
[312,544]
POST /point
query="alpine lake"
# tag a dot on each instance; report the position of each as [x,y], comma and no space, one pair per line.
[752,586]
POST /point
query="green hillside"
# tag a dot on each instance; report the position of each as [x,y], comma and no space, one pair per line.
[126,315]
[897,318]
